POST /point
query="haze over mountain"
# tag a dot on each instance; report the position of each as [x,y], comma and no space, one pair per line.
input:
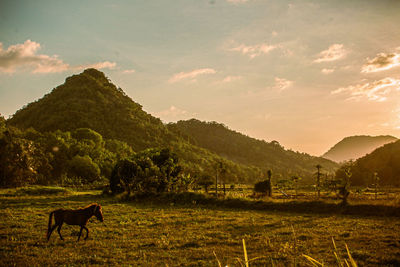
[90,100]
[384,162]
[354,147]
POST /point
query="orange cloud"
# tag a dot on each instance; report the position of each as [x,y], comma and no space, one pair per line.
[254,50]
[381,62]
[190,75]
[25,56]
[375,91]
[334,52]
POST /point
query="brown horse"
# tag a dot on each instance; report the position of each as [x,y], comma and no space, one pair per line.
[74,217]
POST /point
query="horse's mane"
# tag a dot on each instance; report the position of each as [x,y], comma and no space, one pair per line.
[90,205]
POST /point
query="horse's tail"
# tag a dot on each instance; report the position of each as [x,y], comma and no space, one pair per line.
[50,222]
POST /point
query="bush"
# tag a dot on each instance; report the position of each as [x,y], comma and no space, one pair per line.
[150,171]
[263,187]
[84,168]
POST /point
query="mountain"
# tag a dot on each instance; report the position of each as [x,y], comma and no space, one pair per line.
[240,148]
[384,161]
[354,147]
[90,100]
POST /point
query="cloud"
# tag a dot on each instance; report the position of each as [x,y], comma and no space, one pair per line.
[25,56]
[190,75]
[327,71]
[381,62]
[334,52]
[282,84]
[254,50]
[129,71]
[229,79]
[99,65]
[375,91]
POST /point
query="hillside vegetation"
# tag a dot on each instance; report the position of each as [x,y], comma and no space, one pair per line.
[91,123]
[354,147]
[90,100]
[240,148]
[382,166]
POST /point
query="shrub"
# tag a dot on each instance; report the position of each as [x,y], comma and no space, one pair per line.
[84,168]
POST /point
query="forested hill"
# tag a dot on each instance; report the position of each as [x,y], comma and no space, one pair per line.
[384,161]
[246,150]
[354,147]
[90,100]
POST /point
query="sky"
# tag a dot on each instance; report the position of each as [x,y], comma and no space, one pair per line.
[303,73]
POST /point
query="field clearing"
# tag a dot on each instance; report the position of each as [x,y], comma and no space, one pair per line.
[148,234]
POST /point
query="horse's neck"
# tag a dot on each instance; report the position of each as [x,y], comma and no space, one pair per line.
[90,211]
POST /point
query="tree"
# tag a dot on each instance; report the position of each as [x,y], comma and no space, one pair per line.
[319,167]
[149,171]
[84,168]
[205,180]
[295,180]
[269,183]
[123,175]
[376,182]
[17,160]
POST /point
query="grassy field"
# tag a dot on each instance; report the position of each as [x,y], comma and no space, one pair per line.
[150,234]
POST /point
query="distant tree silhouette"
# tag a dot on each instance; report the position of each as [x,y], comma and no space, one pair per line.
[269,183]
[205,181]
[319,167]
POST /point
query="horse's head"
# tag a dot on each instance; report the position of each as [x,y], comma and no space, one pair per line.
[98,213]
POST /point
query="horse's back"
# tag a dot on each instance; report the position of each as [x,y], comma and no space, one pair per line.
[71,217]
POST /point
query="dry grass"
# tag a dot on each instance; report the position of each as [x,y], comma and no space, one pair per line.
[143,234]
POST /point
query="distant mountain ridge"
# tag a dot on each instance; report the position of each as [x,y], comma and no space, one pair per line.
[90,100]
[240,148]
[354,147]
[383,162]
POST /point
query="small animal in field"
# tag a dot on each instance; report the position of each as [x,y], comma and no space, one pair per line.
[74,217]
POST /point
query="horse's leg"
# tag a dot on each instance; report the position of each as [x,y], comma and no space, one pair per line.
[51,231]
[80,233]
[59,231]
[87,232]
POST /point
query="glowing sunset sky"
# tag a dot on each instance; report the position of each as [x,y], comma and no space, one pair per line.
[304,73]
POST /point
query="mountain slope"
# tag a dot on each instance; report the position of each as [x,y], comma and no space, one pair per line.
[243,149]
[354,147]
[89,100]
[384,161]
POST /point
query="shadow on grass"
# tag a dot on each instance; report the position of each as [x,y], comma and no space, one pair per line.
[304,207]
